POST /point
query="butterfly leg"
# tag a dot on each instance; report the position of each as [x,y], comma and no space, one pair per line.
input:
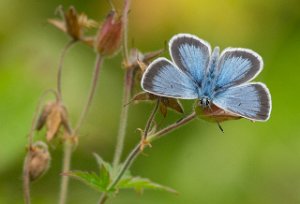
[220,127]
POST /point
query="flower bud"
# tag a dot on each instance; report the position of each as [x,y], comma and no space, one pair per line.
[109,38]
[39,160]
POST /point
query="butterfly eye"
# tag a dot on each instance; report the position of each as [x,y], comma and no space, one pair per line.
[207,102]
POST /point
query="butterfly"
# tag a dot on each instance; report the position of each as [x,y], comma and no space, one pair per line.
[217,81]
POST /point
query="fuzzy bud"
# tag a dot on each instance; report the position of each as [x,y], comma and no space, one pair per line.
[39,160]
[109,38]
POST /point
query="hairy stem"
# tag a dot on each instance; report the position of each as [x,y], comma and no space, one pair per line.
[123,117]
[128,80]
[60,66]
[98,65]
[26,179]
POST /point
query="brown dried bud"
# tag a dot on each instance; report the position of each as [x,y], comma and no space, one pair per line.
[39,160]
[53,116]
[109,38]
[74,24]
[139,60]
[214,113]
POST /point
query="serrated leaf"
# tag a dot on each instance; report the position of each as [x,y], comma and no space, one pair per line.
[99,183]
[139,184]
[101,162]
[105,170]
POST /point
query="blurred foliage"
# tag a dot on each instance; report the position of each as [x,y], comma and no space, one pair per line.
[252,163]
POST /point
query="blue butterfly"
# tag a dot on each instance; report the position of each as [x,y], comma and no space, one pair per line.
[221,80]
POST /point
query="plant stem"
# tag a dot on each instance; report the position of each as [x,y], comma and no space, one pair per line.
[68,146]
[126,8]
[98,65]
[134,153]
[128,80]
[137,150]
[123,117]
[66,168]
[172,127]
[26,179]
[60,66]
[150,120]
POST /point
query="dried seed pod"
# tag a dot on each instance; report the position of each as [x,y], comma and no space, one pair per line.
[39,160]
[53,116]
[74,24]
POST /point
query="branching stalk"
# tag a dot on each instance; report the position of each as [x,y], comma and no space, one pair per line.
[172,127]
[60,66]
[68,146]
[150,120]
[137,150]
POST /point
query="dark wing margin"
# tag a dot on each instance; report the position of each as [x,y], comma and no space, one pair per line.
[191,54]
[250,100]
[237,66]
[163,78]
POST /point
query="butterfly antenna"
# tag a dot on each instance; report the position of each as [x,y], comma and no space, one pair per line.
[220,127]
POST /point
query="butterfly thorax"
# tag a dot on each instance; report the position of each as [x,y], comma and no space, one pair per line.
[208,83]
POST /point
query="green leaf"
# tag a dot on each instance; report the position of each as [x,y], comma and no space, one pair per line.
[99,183]
[101,162]
[105,170]
[139,184]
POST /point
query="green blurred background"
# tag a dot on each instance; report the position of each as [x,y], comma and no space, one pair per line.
[252,163]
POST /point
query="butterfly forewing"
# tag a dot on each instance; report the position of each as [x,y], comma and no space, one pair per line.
[251,100]
[164,79]
[237,66]
[191,55]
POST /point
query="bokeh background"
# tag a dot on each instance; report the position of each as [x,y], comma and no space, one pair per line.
[251,163]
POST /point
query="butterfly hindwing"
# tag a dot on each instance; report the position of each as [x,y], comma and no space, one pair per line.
[191,55]
[164,79]
[250,100]
[236,66]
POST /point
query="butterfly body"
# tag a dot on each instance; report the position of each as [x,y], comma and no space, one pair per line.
[216,80]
